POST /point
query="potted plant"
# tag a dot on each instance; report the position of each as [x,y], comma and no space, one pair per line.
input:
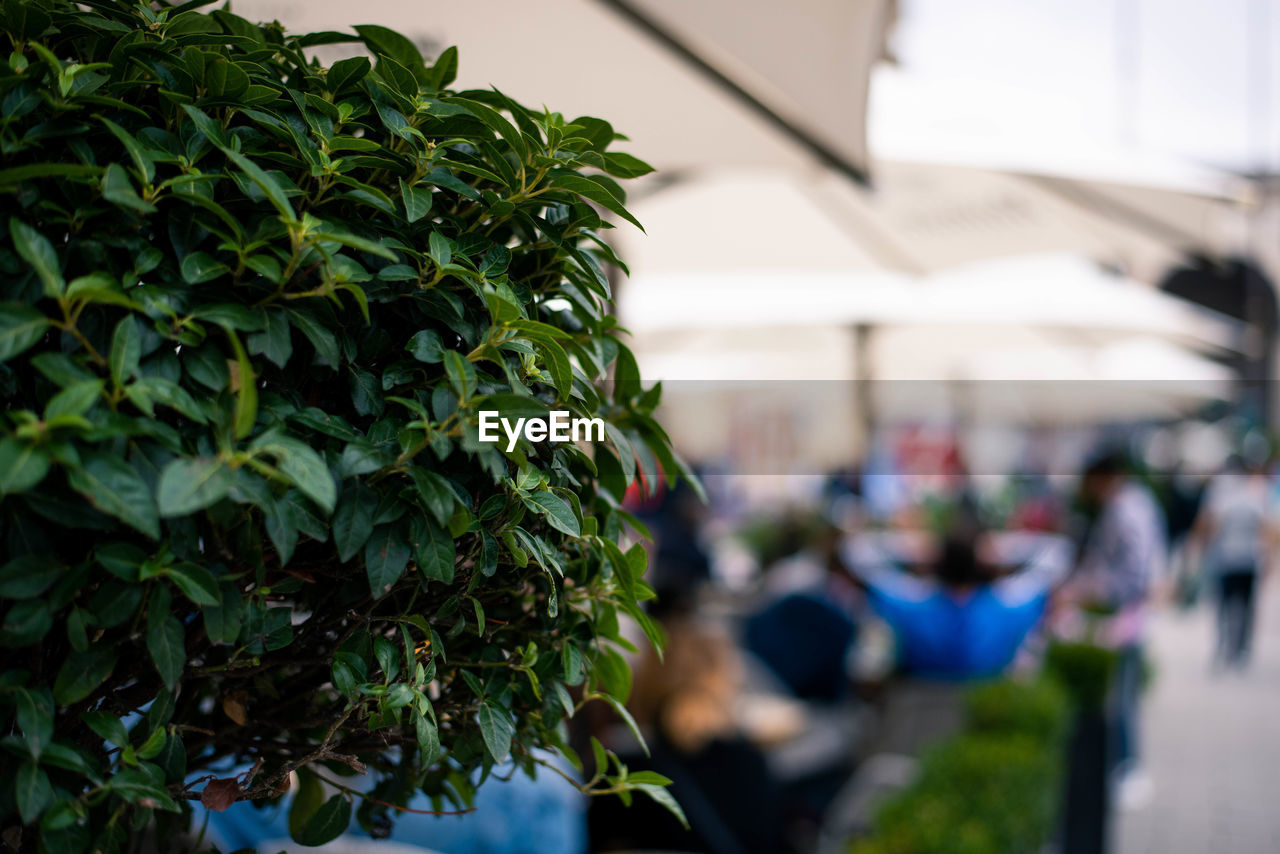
[252,308]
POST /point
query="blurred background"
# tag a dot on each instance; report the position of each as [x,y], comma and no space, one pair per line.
[966,315]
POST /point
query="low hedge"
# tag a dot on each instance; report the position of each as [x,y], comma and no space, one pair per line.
[1083,669]
[992,789]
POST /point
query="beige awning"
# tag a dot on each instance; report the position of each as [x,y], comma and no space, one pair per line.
[806,61]
[921,218]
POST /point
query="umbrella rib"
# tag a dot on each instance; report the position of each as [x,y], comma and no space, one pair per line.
[863,229]
[1117,211]
[824,153]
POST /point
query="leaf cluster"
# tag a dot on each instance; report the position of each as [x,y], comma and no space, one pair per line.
[251,308]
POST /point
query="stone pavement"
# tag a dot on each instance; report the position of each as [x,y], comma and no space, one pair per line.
[1211,742]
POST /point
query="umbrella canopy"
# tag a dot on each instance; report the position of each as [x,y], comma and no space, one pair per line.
[921,218]
[1062,292]
[919,120]
[1037,377]
[789,400]
[782,371]
[691,82]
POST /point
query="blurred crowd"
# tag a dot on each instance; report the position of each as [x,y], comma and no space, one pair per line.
[807,645]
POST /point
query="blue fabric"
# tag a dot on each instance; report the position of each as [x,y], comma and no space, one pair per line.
[943,635]
[517,816]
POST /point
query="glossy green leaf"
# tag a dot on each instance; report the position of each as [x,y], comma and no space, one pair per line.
[115,487]
[265,183]
[303,467]
[36,250]
[33,791]
[462,374]
[353,520]
[109,727]
[196,583]
[327,823]
[346,72]
[75,399]
[201,267]
[118,189]
[22,466]
[21,327]
[497,730]
[34,718]
[416,200]
[433,549]
[388,42]
[142,159]
[126,350]
[167,645]
[306,801]
[426,346]
[81,673]
[557,512]
[592,190]
[386,555]
[245,384]
[29,576]
[189,484]
[435,493]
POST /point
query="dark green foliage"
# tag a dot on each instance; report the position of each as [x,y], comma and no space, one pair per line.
[993,789]
[1085,670]
[1037,710]
[251,308]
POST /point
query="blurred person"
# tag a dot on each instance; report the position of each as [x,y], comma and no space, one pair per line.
[1236,533]
[1124,552]
[969,615]
[675,519]
[1035,506]
[684,702]
[804,631]
[1183,503]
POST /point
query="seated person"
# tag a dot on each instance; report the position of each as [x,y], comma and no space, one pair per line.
[970,615]
[685,704]
[805,630]
[804,639]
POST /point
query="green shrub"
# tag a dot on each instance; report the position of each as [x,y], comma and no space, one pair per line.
[978,794]
[251,309]
[1084,670]
[993,789]
[1038,710]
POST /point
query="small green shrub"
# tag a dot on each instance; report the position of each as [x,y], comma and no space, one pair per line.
[251,307]
[1084,670]
[993,789]
[978,794]
[1038,710]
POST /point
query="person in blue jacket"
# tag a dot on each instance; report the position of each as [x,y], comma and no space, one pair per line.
[968,615]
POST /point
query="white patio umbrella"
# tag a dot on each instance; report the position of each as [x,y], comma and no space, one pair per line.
[921,218]
[757,84]
[1037,377]
[1056,291]
[788,365]
[691,82]
[924,120]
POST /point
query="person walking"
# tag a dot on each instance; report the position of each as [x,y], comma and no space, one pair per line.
[1123,553]
[1236,534]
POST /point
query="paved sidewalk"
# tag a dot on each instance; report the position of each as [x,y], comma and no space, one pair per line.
[1211,743]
